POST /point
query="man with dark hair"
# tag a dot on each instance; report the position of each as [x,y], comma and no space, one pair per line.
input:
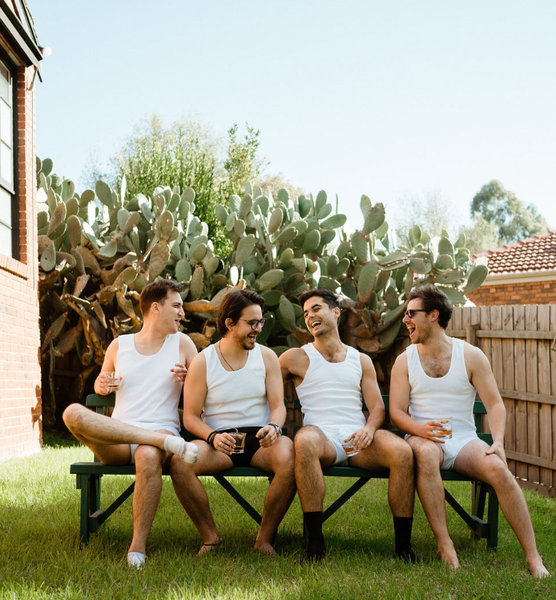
[144,427]
[234,387]
[331,379]
[438,377]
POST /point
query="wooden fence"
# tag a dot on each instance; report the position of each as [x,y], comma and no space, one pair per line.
[520,343]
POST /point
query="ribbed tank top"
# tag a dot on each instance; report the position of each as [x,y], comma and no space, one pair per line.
[147,393]
[236,398]
[436,397]
[330,393]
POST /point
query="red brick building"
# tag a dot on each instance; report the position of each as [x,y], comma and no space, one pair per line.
[520,273]
[20,395]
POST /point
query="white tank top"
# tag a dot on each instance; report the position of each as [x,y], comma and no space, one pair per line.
[148,393]
[436,397]
[236,398]
[330,393]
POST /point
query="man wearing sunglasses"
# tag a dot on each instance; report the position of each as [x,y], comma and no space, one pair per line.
[436,377]
[331,379]
[235,387]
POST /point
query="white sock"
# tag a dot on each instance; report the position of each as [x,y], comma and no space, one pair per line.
[179,447]
[136,560]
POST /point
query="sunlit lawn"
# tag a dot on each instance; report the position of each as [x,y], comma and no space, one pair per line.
[40,555]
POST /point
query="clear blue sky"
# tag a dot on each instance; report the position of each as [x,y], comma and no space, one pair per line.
[382,98]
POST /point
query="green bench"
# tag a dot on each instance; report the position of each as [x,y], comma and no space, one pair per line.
[92,516]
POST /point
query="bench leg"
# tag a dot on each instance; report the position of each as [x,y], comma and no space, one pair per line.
[493,512]
[90,502]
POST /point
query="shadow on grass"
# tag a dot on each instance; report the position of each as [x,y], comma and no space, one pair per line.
[56,440]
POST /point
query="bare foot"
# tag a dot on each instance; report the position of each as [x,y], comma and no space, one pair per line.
[537,569]
[264,548]
[449,557]
[208,548]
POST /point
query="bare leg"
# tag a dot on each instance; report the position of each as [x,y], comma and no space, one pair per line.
[108,438]
[191,492]
[473,462]
[278,459]
[388,451]
[313,452]
[428,459]
[148,486]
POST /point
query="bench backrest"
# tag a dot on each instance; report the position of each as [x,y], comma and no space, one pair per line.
[100,403]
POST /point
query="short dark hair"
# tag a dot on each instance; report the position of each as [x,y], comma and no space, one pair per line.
[232,306]
[156,291]
[434,299]
[329,297]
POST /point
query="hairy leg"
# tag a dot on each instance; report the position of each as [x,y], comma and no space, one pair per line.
[313,452]
[428,459]
[148,485]
[191,492]
[474,462]
[108,438]
[388,451]
[278,459]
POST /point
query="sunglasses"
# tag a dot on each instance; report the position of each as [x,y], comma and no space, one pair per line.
[410,312]
[255,323]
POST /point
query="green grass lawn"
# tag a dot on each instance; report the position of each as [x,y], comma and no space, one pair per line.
[40,556]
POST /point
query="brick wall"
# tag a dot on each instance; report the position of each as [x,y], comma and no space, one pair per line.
[20,395]
[534,292]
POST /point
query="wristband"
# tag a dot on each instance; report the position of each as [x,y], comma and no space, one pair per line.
[278,429]
[210,438]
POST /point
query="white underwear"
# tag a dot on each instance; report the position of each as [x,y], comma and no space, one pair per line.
[152,427]
[451,448]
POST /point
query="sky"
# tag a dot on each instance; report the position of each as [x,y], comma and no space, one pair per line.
[394,100]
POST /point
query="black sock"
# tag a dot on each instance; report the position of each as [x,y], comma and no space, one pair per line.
[312,525]
[402,533]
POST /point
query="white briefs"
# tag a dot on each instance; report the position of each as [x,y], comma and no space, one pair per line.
[151,427]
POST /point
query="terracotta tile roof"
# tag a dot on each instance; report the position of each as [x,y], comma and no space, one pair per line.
[534,254]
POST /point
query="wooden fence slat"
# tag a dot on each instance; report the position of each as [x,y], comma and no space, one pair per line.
[531,366]
[509,382]
[520,378]
[508,335]
[545,411]
[486,347]
[552,359]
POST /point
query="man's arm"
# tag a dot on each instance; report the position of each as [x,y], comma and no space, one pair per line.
[187,352]
[275,394]
[194,396]
[102,381]
[293,365]
[373,400]
[482,379]
[399,403]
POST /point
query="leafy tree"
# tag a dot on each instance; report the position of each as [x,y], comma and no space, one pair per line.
[511,216]
[432,212]
[481,235]
[242,163]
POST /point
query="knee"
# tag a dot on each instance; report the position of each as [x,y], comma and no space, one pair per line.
[306,441]
[497,473]
[73,416]
[179,469]
[148,460]
[284,456]
[427,457]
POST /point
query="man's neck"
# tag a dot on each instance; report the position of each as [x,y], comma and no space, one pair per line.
[329,345]
[438,343]
[150,337]
[231,348]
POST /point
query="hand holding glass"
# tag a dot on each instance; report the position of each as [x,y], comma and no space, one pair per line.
[446,432]
[344,434]
[113,381]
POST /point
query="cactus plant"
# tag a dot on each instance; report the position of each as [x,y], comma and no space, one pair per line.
[93,269]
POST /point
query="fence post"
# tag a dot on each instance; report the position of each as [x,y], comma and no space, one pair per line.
[472,334]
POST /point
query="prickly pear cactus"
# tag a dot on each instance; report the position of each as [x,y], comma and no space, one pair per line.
[98,249]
